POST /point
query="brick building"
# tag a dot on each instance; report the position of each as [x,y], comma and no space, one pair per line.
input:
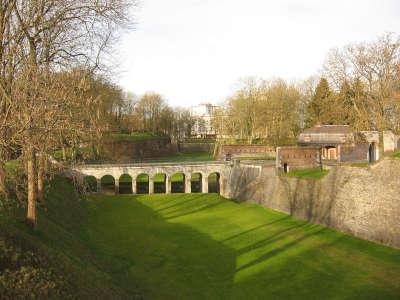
[336,143]
[292,158]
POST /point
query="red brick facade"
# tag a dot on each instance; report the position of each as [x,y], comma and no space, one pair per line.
[291,158]
[247,150]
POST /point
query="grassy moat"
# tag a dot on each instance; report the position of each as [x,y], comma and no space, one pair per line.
[201,246]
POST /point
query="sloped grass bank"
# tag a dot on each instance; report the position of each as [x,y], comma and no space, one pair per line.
[316,173]
[54,261]
[201,246]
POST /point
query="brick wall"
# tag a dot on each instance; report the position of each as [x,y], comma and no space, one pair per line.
[247,150]
[298,157]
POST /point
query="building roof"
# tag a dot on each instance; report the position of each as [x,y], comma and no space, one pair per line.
[327,134]
[329,129]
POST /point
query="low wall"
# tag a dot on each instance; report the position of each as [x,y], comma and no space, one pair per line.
[195,147]
[360,201]
[246,151]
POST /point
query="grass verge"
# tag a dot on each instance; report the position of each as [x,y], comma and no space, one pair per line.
[316,173]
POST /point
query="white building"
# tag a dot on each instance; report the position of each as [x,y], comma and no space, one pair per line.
[203,115]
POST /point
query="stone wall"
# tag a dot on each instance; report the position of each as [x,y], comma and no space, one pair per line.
[390,141]
[356,153]
[364,202]
[124,151]
[195,147]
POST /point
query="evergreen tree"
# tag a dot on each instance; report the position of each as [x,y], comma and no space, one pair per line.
[318,108]
[344,105]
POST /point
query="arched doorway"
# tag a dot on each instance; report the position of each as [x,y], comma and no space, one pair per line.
[159,183]
[107,184]
[285,168]
[372,152]
[90,184]
[125,184]
[178,183]
[214,183]
[142,184]
[196,182]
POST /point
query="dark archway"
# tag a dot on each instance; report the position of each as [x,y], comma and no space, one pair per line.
[142,184]
[196,182]
[285,168]
[214,183]
[107,184]
[372,152]
[178,183]
[159,183]
[125,184]
[90,184]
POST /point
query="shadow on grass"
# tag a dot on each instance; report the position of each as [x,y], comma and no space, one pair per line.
[282,259]
[166,260]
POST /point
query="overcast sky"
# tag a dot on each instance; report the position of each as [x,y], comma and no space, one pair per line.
[193,51]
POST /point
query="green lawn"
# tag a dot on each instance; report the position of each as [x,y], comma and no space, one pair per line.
[136,136]
[395,154]
[201,246]
[191,156]
[307,173]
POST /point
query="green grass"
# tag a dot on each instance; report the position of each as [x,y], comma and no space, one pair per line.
[190,156]
[136,136]
[58,243]
[199,141]
[395,154]
[201,246]
[307,173]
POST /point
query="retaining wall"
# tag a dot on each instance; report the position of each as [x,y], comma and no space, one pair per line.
[364,202]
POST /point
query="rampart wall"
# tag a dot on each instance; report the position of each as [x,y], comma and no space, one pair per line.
[364,202]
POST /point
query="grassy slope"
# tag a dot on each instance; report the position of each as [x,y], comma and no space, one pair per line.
[58,239]
[201,246]
[136,136]
[307,173]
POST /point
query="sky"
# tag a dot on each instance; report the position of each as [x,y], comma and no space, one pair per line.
[195,51]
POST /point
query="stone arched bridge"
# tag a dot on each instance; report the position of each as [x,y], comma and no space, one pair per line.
[152,169]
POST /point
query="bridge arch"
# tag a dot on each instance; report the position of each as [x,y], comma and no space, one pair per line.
[125,184]
[142,183]
[107,184]
[160,183]
[214,182]
[178,182]
[196,182]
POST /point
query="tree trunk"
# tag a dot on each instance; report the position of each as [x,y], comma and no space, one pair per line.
[41,171]
[31,172]
[64,153]
[3,187]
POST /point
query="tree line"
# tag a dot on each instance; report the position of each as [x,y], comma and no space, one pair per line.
[51,92]
[151,113]
[358,86]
